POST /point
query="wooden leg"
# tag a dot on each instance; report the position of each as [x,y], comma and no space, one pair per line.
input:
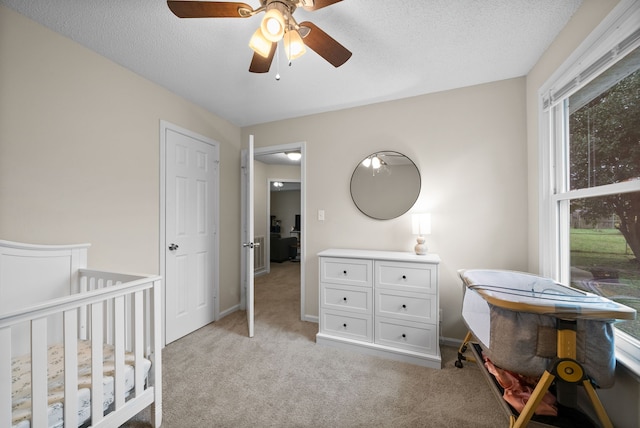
[536,397]
[597,404]
[463,349]
[571,372]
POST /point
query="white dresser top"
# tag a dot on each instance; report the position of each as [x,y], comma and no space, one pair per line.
[380,255]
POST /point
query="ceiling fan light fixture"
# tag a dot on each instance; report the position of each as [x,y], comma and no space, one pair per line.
[293,45]
[259,44]
[277,20]
[273,23]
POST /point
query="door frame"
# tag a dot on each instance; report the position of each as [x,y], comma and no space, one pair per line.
[164,127]
[301,146]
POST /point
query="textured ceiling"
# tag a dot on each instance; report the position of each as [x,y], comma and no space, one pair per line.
[400,48]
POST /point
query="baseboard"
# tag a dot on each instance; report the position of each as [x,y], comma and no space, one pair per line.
[311,318]
[229,311]
[450,341]
[260,272]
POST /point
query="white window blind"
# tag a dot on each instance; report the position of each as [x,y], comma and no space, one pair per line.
[598,54]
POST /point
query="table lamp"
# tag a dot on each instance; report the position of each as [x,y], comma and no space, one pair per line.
[421,223]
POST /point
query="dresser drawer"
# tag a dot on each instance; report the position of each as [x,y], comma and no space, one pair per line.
[348,325]
[407,335]
[342,297]
[346,271]
[418,277]
[404,305]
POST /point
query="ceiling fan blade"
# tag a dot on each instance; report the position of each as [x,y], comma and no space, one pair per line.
[324,45]
[208,9]
[319,4]
[260,64]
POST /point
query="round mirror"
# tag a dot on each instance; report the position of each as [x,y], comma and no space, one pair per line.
[385,185]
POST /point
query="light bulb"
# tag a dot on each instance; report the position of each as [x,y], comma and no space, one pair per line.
[273,25]
[375,162]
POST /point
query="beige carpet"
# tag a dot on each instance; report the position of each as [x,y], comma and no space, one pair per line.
[218,377]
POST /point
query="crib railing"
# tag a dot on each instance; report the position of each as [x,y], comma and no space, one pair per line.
[121,310]
[90,280]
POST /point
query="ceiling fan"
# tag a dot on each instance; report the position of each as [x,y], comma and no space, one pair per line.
[277,24]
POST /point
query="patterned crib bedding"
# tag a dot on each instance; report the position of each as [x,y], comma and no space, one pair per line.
[21,384]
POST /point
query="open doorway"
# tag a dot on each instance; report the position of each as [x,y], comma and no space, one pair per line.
[279,209]
[283,212]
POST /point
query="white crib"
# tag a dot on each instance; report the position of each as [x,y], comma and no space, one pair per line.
[55,311]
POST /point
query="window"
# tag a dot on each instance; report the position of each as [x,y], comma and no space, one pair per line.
[590,171]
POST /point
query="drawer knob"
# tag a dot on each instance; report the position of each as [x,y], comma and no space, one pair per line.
[344,272]
[404,306]
[344,325]
[344,298]
[404,276]
[404,336]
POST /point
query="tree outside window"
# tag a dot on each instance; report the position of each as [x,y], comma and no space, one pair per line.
[604,149]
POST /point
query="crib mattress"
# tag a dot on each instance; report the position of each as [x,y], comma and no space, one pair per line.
[21,384]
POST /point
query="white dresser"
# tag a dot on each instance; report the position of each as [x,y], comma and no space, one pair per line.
[381,303]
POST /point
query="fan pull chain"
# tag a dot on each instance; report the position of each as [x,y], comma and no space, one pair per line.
[277,64]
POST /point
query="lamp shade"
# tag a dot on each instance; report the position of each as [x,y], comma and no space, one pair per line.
[259,44]
[293,45]
[421,223]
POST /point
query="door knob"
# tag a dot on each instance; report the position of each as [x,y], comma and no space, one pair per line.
[173,247]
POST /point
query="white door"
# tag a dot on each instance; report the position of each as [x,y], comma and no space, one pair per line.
[191,182]
[246,265]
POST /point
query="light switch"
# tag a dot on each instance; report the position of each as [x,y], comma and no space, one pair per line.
[321,215]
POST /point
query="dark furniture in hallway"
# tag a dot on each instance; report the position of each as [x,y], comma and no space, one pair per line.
[283,249]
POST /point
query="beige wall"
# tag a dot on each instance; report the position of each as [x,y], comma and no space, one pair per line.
[79,153]
[470,147]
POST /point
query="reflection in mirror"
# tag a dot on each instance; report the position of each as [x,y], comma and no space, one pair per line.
[385,185]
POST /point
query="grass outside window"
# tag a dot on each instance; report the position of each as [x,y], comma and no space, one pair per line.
[602,263]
